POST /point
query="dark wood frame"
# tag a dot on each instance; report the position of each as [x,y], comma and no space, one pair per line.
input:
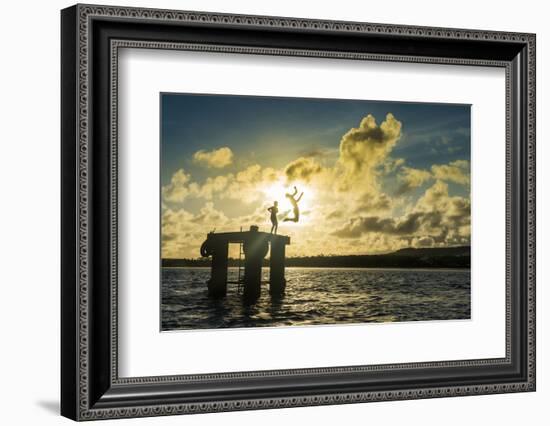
[91,37]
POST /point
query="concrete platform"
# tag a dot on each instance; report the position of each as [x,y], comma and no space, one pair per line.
[256,245]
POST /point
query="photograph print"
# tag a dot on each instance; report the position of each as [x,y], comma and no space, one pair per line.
[280,212]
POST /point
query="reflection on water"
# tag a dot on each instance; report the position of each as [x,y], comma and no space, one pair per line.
[317,296]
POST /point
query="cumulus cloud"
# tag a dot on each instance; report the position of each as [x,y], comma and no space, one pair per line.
[392,164]
[246,185]
[249,184]
[403,226]
[177,190]
[456,171]
[212,186]
[372,202]
[183,232]
[302,169]
[412,178]
[178,234]
[181,187]
[344,195]
[455,213]
[436,197]
[436,215]
[364,148]
[217,158]
[250,174]
[209,216]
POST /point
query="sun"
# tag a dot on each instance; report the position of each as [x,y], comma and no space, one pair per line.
[276,192]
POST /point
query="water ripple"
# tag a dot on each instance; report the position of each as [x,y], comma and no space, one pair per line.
[317,296]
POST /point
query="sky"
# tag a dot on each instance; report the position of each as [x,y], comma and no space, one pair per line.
[376,176]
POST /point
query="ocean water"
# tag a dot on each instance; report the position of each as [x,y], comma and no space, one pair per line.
[317,296]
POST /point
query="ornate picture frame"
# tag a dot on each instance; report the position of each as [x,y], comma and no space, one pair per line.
[91,38]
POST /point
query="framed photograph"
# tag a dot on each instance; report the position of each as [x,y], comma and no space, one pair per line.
[263,212]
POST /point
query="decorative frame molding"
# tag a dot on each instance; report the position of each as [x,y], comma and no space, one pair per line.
[91,37]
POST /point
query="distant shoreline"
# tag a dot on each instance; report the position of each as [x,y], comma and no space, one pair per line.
[417,258]
[372,268]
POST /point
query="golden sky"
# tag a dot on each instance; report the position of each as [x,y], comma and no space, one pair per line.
[363,193]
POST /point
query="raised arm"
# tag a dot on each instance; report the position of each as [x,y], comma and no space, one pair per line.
[300,197]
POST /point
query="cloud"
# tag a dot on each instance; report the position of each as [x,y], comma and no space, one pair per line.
[364,154]
[345,196]
[179,234]
[217,158]
[249,184]
[246,185]
[412,178]
[183,232]
[373,202]
[181,187]
[436,197]
[404,226]
[456,171]
[302,169]
[436,215]
[336,214]
[391,165]
[250,174]
[364,148]
[423,242]
[212,186]
[209,216]
[177,190]
[455,210]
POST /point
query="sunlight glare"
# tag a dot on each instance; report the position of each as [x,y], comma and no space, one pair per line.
[277,191]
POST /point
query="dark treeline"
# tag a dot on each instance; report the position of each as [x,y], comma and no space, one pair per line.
[450,257]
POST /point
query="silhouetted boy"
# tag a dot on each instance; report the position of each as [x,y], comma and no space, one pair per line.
[274,222]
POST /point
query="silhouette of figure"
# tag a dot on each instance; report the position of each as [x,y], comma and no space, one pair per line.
[295,209]
[274,222]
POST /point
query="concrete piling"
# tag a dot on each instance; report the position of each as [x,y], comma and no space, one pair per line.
[255,247]
[277,281]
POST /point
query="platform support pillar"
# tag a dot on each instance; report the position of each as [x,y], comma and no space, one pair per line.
[277,281]
[255,249]
[217,286]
